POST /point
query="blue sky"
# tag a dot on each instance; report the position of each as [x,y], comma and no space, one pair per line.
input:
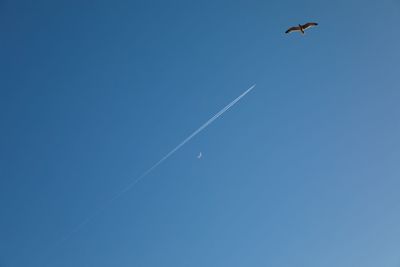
[304,171]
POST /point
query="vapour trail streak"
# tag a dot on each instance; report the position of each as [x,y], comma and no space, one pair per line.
[183,143]
[152,168]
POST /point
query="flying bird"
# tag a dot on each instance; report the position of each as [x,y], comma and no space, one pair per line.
[301,28]
[200,155]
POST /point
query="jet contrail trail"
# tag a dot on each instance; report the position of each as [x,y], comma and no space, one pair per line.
[202,127]
[152,168]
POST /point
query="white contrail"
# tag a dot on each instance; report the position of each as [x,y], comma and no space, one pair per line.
[152,168]
[202,127]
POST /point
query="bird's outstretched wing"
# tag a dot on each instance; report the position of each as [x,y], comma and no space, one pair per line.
[293,29]
[309,24]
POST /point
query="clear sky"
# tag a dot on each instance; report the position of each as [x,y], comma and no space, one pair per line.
[304,171]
